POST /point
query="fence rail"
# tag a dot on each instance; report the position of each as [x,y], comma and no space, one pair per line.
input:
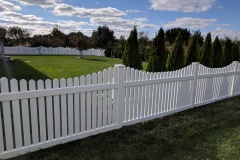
[41,114]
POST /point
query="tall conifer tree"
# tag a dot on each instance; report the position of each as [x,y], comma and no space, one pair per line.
[176,57]
[191,55]
[205,57]
[227,52]
[131,54]
[236,54]
[217,57]
[158,56]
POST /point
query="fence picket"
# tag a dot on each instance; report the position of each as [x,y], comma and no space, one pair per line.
[63,109]
[70,108]
[143,106]
[146,112]
[25,115]
[131,96]
[33,108]
[115,94]
[94,102]
[139,99]
[105,81]
[83,108]
[1,130]
[127,106]
[41,112]
[7,116]
[49,106]
[135,100]
[16,117]
[89,105]
[100,97]
[57,119]
[110,100]
[76,107]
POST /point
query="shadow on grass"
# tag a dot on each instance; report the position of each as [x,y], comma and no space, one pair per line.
[20,70]
[206,132]
[100,60]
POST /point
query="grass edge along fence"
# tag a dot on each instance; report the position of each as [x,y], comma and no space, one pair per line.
[36,115]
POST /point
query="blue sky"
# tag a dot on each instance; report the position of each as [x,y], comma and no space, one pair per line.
[220,17]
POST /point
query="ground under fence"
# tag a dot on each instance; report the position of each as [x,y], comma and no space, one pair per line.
[40,114]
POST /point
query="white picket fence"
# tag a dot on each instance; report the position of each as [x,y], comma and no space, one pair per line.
[22,50]
[36,115]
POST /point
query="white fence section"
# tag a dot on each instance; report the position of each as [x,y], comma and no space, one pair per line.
[22,50]
[36,115]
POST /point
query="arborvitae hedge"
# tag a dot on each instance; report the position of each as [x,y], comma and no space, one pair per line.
[217,57]
[227,52]
[205,57]
[131,54]
[191,55]
[236,53]
[176,57]
[158,55]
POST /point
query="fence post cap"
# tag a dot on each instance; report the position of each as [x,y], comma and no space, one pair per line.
[119,65]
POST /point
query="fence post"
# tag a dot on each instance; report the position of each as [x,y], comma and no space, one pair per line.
[120,97]
[234,77]
[194,84]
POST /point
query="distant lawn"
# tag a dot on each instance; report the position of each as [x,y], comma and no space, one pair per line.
[44,67]
[208,132]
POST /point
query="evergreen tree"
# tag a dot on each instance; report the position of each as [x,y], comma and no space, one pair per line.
[191,55]
[206,52]
[227,52]
[236,53]
[158,56]
[217,57]
[176,57]
[131,54]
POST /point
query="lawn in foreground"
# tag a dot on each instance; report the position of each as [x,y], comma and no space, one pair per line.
[207,132]
[50,67]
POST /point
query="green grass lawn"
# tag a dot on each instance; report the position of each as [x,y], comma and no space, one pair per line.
[208,132]
[44,67]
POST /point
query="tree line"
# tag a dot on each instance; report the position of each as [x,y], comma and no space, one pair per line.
[216,54]
[168,50]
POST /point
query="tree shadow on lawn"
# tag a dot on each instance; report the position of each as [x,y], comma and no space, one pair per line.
[193,134]
[91,59]
[20,70]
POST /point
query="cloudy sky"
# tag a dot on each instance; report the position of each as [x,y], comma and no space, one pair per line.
[220,17]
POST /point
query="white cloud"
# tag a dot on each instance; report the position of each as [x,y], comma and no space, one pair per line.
[68,10]
[120,25]
[8,6]
[182,5]
[36,25]
[109,16]
[143,19]
[42,3]
[220,32]
[189,22]
[133,11]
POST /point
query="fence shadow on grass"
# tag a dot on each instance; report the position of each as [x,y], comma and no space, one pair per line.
[20,70]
